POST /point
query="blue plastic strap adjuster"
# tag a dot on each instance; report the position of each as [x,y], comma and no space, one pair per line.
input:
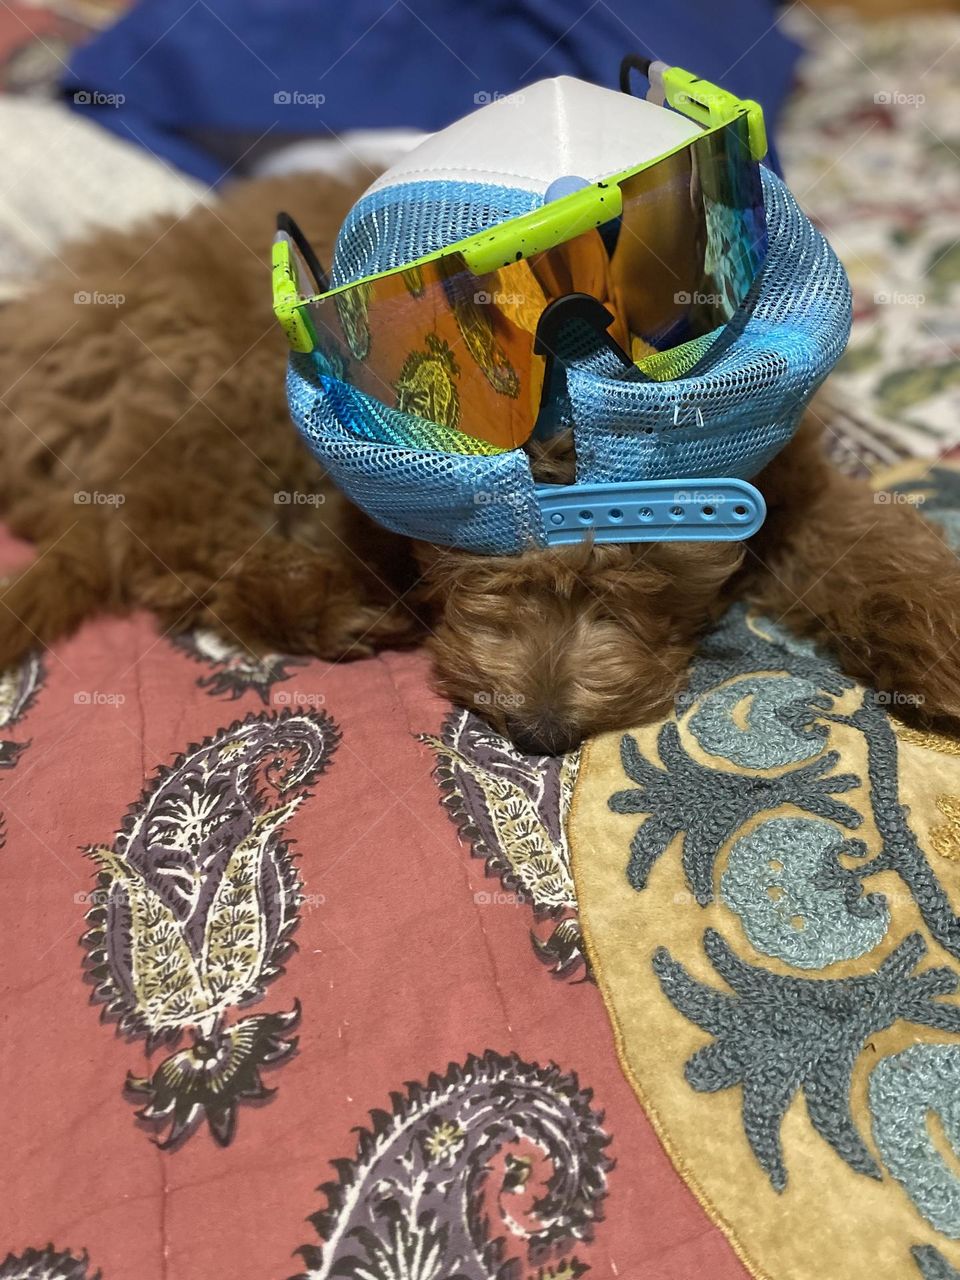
[651,511]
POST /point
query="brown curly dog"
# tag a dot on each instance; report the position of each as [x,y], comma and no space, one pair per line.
[146,451]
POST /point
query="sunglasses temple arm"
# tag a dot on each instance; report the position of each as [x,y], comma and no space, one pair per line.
[286,224]
[633,62]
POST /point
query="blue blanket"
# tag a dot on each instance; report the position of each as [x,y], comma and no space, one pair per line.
[198,82]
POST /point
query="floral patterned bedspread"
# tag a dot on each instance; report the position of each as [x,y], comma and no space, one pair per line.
[871,148]
[293,986]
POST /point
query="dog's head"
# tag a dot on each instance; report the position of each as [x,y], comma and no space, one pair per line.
[557,644]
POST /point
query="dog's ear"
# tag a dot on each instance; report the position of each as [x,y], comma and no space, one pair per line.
[284,596]
[795,476]
[865,576]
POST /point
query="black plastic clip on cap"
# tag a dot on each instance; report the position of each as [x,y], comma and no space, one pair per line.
[559,313]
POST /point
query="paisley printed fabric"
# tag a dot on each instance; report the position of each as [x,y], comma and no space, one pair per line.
[19,687]
[47,1264]
[296,950]
[770,897]
[497,1167]
[512,810]
[195,904]
[438,1191]
[232,671]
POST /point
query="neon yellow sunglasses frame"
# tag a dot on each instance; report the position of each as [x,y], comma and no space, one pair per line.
[530,233]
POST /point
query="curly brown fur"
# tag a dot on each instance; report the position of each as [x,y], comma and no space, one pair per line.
[174,402]
[871,580]
[560,643]
[554,644]
[168,413]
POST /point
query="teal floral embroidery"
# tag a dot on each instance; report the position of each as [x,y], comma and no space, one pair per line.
[904,1089]
[776,1036]
[938,489]
[800,884]
[899,850]
[795,899]
[949,522]
[734,648]
[939,492]
[775,711]
[932,1264]
[709,806]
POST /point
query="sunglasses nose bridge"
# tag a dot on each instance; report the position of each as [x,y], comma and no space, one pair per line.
[557,316]
[575,308]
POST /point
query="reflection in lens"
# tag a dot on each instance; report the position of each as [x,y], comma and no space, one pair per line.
[446,347]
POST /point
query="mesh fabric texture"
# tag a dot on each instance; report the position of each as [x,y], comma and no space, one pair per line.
[727,417]
[396,224]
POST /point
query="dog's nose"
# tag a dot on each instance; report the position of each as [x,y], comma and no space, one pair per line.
[546,736]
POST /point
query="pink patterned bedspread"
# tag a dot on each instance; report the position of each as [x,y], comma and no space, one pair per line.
[248,951]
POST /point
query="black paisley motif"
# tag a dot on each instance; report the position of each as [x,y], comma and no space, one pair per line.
[511,809]
[232,670]
[195,904]
[496,1169]
[19,686]
[47,1264]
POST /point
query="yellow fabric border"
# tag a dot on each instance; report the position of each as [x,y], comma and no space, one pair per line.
[678,1162]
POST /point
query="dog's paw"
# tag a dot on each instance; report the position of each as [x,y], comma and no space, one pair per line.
[359,632]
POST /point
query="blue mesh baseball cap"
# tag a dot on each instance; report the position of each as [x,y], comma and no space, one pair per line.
[655,460]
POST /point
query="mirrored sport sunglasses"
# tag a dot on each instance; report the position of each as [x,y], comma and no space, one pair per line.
[656,259]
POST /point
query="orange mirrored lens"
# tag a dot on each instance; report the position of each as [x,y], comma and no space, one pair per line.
[444,346]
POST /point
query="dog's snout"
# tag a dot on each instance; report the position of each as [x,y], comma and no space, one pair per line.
[545,736]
